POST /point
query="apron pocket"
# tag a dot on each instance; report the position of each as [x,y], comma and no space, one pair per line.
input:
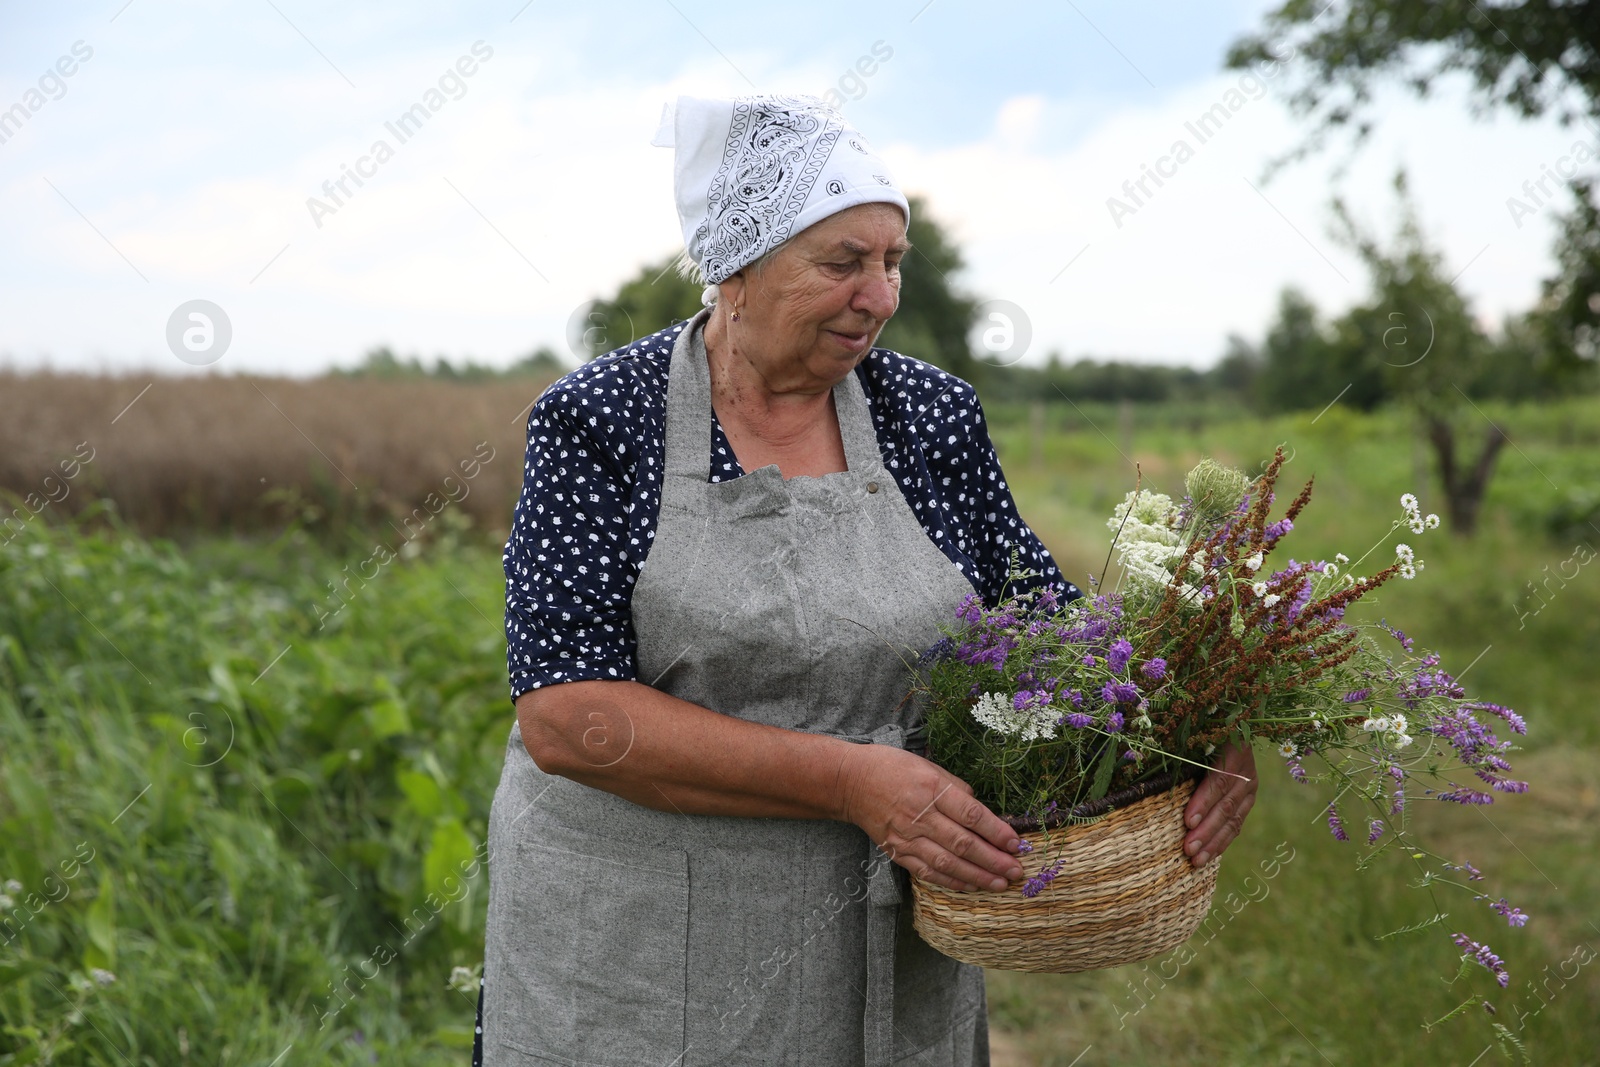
[595,972]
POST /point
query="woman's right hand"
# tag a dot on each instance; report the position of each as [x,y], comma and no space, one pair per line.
[927,820]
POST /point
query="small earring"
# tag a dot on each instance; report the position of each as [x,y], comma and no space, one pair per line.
[736,313]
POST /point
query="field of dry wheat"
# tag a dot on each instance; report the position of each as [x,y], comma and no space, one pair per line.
[184,454]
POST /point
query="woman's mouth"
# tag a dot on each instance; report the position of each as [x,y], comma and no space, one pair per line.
[852,342]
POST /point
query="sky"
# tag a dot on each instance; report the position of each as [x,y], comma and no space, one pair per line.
[176,162]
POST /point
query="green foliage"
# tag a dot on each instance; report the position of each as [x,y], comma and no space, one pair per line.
[268,830]
[1526,57]
[934,316]
[651,300]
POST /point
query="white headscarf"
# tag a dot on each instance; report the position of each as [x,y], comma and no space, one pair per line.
[751,172]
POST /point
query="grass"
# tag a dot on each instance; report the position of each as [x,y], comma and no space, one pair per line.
[281,788]
[1298,976]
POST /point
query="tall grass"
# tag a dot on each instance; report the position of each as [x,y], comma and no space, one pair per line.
[240,453]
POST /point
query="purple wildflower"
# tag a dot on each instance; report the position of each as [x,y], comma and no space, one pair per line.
[1033,886]
[1504,785]
[1088,661]
[1130,754]
[1154,668]
[1297,772]
[970,609]
[1481,954]
[1277,530]
[1513,916]
[1024,846]
[1121,653]
[1374,830]
[1335,825]
[1357,696]
[1079,719]
[1119,693]
[1399,635]
[1114,722]
[1512,718]
[1461,795]
[940,650]
[1473,874]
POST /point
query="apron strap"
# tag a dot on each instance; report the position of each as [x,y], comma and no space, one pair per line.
[688,439]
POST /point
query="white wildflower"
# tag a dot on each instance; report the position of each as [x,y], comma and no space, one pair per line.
[1287,750]
[102,977]
[1340,557]
[1431,522]
[13,886]
[995,710]
[1408,502]
[1376,725]
[1271,599]
[1259,588]
[1210,749]
[1407,571]
[462,980]
[6,902]
[1402,740]
[1255,561]
[1403,551]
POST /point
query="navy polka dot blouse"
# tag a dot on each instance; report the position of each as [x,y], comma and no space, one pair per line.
[592,491]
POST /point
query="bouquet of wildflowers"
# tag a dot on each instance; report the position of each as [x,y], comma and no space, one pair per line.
[1042,705]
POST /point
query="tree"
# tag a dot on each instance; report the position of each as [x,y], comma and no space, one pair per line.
[1306,364]
[651,300]
[1430,350]
[934,318]
[931,324]
[1568,318]
[1531,57]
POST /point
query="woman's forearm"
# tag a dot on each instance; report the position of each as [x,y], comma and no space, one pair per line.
[669,754]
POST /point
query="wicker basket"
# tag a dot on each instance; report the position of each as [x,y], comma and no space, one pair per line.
[1126,892]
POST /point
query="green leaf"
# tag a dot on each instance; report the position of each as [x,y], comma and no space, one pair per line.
[450,852]
[1102,770]
[421,791]
[100,923]
[387,718]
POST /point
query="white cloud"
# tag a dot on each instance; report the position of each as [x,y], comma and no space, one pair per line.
[201,192]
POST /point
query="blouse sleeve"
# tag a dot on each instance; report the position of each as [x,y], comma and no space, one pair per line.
[997,529]
[566,561]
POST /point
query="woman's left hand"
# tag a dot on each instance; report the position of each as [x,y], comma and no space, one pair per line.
[1217,810]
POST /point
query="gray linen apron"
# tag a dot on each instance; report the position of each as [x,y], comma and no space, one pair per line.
[622,936]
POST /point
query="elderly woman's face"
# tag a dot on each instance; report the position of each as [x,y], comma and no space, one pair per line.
[811,314]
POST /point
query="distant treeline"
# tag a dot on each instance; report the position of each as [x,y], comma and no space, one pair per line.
[381,362]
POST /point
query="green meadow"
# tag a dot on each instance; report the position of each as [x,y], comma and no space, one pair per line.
[250,779]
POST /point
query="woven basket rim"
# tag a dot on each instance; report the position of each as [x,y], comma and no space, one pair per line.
[1122,798]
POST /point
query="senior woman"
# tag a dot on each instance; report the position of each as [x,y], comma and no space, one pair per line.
[730,534]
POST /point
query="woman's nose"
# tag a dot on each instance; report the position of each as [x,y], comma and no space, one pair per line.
[876,295]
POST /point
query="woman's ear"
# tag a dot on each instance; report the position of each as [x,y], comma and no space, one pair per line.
[733,290]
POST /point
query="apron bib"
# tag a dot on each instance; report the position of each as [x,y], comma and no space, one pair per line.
[622,936]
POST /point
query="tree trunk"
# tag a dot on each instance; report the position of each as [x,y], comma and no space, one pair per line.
[1463,490]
